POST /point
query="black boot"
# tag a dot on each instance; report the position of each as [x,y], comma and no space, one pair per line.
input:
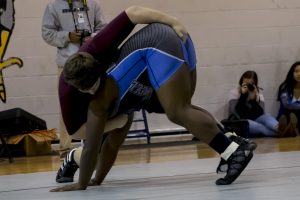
[237,162]
[223,166]
[67,170]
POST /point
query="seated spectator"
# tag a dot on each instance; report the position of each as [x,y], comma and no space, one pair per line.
[247,102]
[289,98]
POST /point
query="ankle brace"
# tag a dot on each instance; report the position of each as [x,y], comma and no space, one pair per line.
[229,150]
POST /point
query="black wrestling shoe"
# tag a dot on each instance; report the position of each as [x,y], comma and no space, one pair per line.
[223,166]
[240,140]
[67,170]
[237,162]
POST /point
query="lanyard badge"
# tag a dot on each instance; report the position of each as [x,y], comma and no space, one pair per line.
[80,18]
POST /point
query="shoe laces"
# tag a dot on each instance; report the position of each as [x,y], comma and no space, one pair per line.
[223,165]
[236,160]
[239,140]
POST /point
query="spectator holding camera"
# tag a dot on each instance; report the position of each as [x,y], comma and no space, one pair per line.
[67,24]
[247,102]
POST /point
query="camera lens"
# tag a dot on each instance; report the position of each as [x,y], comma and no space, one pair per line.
[250,87]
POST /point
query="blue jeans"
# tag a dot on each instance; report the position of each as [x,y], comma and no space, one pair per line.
[265,125]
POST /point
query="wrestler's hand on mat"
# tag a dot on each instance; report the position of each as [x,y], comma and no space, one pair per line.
[71,187]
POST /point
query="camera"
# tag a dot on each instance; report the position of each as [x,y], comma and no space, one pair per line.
[84,33]
[250,87]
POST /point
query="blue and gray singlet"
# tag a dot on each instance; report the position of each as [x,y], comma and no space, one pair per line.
[147,60]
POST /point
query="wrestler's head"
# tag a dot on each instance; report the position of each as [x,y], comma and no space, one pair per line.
[80,71]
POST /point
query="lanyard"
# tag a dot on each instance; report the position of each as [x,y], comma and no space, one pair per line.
[85,8]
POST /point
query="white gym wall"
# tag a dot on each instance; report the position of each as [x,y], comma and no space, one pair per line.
[230,37]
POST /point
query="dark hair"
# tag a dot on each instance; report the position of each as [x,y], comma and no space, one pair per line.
[80,70]
[289,83]
[249,75]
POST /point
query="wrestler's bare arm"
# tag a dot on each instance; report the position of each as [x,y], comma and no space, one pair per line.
[109,151]
[95,127]
[142,15]
[94,134]
[100,109]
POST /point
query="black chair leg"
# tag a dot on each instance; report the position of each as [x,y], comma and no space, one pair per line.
[6,149]
[146,126]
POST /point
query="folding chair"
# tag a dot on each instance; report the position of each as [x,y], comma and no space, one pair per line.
[141,132]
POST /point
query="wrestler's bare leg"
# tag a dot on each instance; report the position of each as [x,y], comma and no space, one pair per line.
[177,104]
[193,77]
[175,97]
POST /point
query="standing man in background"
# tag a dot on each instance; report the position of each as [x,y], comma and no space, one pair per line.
[67,24]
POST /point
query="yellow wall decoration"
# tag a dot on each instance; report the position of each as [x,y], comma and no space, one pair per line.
[7,21]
